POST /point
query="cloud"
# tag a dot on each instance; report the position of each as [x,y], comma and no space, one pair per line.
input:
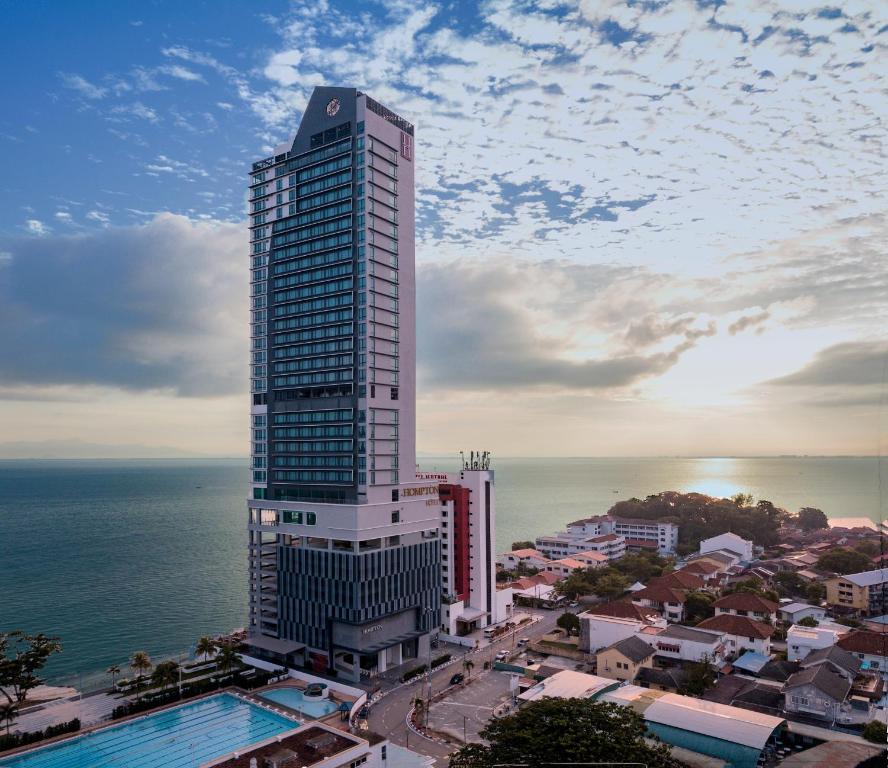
[157,307]
[853,364]
[748,321]
[182,73]
[82,86]
[137,109]
[505,325]
[36,227]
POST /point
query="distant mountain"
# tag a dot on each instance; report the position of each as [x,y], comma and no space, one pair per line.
[79,449]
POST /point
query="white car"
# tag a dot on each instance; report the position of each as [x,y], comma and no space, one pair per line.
[502,656]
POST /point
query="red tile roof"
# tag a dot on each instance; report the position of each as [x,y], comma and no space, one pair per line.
[641,543]
[678,580]
[701,566]
[865,641]
[605,537]
[660,594]
[745,601]
[737,625]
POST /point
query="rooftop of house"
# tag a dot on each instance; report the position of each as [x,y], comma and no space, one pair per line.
[568,562]
[623,609]
[678,580]
[591,555]
[674,677]
[865,641]
[832,655]
[796,607]
[824,679]
[660,594]
[833,753]
[678,632]
[746,601]
[604,538]
[633,648]
[525,553]
[738,625]
[779,670]
[719,555]
[306,747]
[700,566]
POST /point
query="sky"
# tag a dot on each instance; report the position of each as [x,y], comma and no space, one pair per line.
[643,228]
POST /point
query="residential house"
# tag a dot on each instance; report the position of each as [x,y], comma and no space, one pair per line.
[667,601]
[747,604]
[564,567]
[626,609]
[597,631]
[678,643]
[622,660]
[705,570]
[792,613]
[671,680]
[866,592]
[800,641]
[730,542]
[678,580]
[591,559]
[818,691]
[529,557]
[721,559]
[871,648]
[741,633]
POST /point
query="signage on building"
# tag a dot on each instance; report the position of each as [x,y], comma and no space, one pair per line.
[374,628]
[406,146]
[431,476]
[425,490]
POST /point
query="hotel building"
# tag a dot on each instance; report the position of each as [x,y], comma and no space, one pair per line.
[345,545]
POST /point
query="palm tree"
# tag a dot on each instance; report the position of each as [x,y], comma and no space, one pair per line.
[419,706]
[166,674]
[114,671]
[468,666]
[226,657]
[205,646]
[140,662]
[8,711]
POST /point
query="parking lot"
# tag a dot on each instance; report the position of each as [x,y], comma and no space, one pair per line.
[468,708]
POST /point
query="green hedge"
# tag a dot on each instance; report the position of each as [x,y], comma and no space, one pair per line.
[13,740]
[415,672]
[443,659]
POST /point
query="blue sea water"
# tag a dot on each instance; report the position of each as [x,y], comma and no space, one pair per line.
[119,556]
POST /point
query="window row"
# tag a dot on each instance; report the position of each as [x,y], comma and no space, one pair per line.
[313,417]
[307,233]
[319,259]
[340,193]
[314,363]
[342,345]
[313,275]
[324,332]
[318,214]
[321,184]
[307,321]
[310,379]
[324,168]
[310,306]
[313,476]
[312,247]
[315,446]
[314,461]
[318,155]
[313,432]
[315,289]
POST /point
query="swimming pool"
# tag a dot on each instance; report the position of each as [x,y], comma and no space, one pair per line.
[179,737]
[293,698]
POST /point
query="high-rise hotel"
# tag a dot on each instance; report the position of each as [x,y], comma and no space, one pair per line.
[345,541]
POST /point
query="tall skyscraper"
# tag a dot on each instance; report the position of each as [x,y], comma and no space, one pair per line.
[345,549]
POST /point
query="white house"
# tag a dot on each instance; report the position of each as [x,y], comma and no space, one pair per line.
[597,632]
[690,644]
[729,541]
[792,613]
[741,633]
[800,641]
[528,557]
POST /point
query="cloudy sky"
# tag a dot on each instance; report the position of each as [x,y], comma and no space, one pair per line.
[644,228]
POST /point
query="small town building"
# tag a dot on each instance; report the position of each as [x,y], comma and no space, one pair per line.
[678,580]
[741,632]
[721,559]
[729,542]
[702,568]
[793,613]
[669,602]
[747,604]
[800,641]
[568,684]
[818,691]
[528,557]
[671,679]
[866,592]
[871,648]
[597,632]
[639,534]
[622,660]
[678,643]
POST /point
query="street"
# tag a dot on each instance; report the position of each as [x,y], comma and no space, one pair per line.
[388,716]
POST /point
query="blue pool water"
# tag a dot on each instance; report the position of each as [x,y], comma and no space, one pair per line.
[293,698]
[181,737]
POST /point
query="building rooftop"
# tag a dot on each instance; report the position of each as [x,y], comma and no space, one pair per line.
[568,684]
[865,641]
[796,607]
[700,566]
[824,679]
[719,554]
[732,724]
[303,749]
[568,562]
[738,625]
[678,580]
[832,754]
[660,594]
[867,578]
[832,655]
[678,632]
[526,553]
[751,662]
[623,609]
[633,648]
[745,601]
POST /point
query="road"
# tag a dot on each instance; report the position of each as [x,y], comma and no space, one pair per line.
[388,716]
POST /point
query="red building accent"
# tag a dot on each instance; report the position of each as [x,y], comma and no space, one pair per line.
[459,536]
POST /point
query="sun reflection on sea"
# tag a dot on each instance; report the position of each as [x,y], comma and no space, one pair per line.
[715,477]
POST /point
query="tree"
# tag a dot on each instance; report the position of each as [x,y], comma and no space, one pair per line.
[576,584]
[868,547]
[551,730]
[165,674]
[419,707]
[523,545]
[8,711]
[789,583]
[226,657]
[611,585]
[875,731]
[140,663]
[468,665]
[640,567]
[700,677]
[569,622]
[808,621]
[815,592]
[842,560]
[698,606]
[812,519]
[205,646]
[114,671]
[22,656]
[754,586]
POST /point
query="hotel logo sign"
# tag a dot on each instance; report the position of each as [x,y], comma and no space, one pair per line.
[406,146]
[426,490]
[369,630]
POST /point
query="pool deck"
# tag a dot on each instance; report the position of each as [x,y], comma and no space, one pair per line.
[300,685]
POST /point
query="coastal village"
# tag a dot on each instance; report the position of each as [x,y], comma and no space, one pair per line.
[790,638]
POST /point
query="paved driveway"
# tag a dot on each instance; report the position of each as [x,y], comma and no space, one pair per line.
[466,711]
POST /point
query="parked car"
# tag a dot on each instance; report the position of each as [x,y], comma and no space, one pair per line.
[524,641]
[457,678]
[502,656]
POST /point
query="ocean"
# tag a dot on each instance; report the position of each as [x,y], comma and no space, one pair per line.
[120,556]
